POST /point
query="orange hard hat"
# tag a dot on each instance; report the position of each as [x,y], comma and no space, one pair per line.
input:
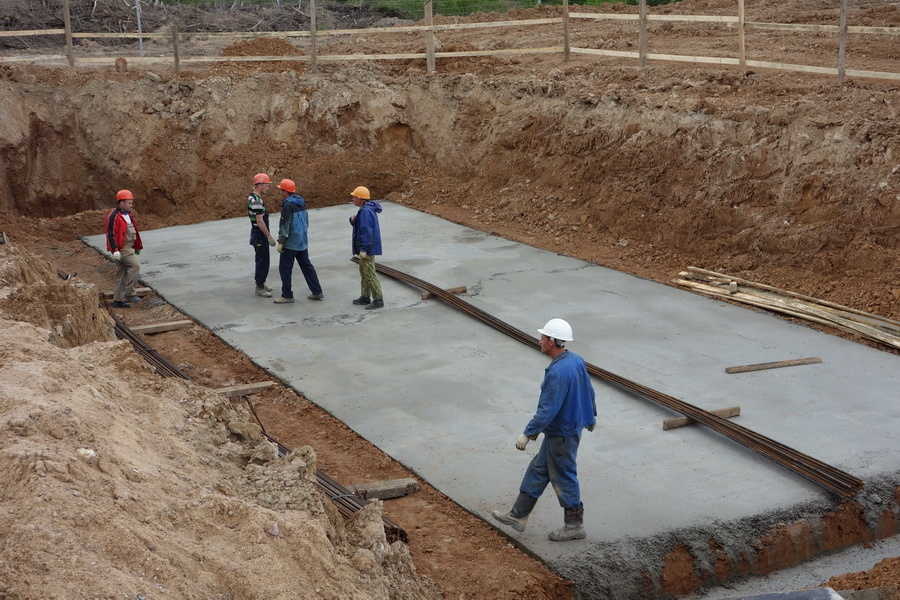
[261,178]
[287,185]
[361,192]
[124,195]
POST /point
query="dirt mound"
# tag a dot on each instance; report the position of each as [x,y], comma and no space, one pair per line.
[120,482]
[262,47]
[31,291]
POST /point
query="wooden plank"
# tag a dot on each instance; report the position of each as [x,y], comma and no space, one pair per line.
[67,21]
[454,290]
[842,44]
[161,327]
[885,321]
[725,413]
[142,291]
[790,27]
[694,18]
[385,490]
[32,32]
[695,59]
[602,16]
[599,52]
[429,38]
[244,388]
[774,365]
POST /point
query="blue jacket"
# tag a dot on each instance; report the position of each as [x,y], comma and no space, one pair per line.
[567,404]
[366,233]
[294,223]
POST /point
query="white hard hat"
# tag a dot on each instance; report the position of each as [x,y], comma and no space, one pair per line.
[558,330]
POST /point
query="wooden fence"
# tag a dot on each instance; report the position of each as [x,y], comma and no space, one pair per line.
[643,17]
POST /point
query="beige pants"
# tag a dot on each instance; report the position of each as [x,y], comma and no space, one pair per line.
[127,276]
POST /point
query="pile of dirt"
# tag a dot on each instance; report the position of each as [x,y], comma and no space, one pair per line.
[262,47]
[117,482]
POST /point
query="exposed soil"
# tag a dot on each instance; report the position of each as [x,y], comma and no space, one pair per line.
[782,178]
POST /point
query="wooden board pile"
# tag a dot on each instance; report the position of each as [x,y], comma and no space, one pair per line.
[870,326]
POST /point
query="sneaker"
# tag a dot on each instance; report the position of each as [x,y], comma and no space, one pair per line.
[262,291]
[268,289]
[133,299]
[118,304]
[316,297]
[376,304]
[281,300]
[362,301]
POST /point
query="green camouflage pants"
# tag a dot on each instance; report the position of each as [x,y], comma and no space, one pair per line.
[371,287]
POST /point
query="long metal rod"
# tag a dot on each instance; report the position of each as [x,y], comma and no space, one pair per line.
[831,478]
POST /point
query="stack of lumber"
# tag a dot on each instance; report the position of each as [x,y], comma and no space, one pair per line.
[867,325]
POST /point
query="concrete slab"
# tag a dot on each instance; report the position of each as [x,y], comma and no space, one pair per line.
[447,396]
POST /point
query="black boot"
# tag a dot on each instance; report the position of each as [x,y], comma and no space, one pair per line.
[362,301]
[517,517]
[376,303]
[574,525]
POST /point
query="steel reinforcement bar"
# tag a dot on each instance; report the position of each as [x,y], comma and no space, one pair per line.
[831,478]
[347,503]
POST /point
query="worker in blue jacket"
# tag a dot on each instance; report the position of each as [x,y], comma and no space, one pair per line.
[293,244]
[566,407]
[367,245]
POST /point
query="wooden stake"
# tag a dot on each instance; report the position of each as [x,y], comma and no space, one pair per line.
[244,388]
[725,413]
[161,327]
[454,290]
[774,365]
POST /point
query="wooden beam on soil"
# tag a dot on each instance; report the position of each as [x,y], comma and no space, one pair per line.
[142,291]
[725,413]
[774,365]
[244,388]
[385,490]
[454,290]
[161,327]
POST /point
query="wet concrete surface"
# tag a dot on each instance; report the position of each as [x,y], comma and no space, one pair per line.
[447,396]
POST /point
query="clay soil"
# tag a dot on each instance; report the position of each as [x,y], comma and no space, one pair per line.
[782,178]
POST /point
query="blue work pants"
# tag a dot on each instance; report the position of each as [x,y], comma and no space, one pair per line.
[555,464]
[286,265]
[261,260]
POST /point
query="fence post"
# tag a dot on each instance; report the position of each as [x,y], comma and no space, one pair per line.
[642,34]
[137,8]
[566,48]
[67,20]
[175,47]
[312,35]
[842,47]
[741,42]
[429,37]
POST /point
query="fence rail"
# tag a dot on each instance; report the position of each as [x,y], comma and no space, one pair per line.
[642,17]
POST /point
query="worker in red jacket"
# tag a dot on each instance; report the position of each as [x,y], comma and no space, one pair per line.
[124,241]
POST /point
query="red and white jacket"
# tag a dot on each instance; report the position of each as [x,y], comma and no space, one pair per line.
[117,228]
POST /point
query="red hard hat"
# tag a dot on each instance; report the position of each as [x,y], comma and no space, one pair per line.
[124,195]
[287,185]
[261,178]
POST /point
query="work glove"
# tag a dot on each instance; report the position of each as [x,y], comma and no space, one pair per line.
[522,441]
[137,251]
[362,254]
[590,427]
[280,248]
[272,241]
[117,256]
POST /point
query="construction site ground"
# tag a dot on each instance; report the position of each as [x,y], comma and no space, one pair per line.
[446,395]
[784,178]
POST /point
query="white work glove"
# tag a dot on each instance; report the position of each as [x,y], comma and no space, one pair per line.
[280,248]
[272,241]
[522,441]
[362,254]
[117,256]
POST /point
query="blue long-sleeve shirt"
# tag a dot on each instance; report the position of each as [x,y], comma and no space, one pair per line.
[366,231]
[567,403]
[294,223]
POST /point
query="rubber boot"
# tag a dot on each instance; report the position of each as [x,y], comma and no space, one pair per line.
[517,517]
[574,527]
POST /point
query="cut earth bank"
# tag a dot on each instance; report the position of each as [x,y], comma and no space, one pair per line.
[785,179]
